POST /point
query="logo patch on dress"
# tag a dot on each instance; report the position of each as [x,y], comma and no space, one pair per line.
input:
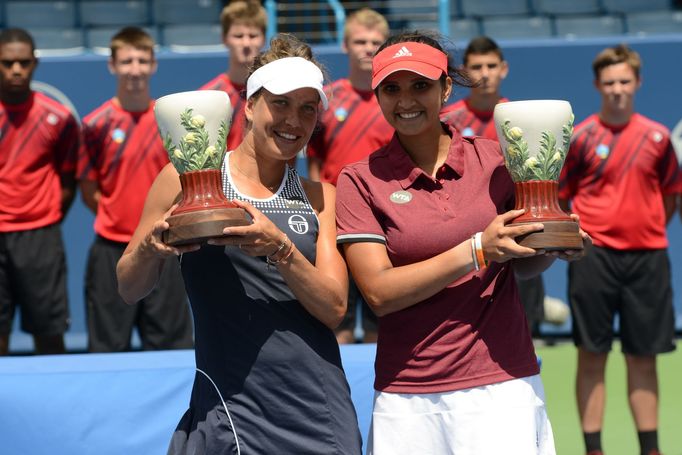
[118,135]
[602,151]
[298,224]
[657,136]
[401,197]
[52,119]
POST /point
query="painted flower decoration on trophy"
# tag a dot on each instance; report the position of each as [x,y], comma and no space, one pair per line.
[194,153]
[546,165]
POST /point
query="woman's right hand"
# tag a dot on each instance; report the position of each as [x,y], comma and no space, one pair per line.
[152,244]
[499,238]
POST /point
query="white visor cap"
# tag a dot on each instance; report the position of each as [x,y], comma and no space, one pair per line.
[286,75]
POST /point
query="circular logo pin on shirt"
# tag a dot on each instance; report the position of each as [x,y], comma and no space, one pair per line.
[602,151]
[401,197]
[341,114]
[468,132]
[118,135]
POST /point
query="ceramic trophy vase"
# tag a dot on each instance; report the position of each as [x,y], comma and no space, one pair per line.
[194,127]
[535,136]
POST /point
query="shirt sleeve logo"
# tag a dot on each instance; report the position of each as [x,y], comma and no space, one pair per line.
[401,197]
[298,224]
[602,151]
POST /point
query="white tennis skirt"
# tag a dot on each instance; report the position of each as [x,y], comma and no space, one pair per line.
[508,418]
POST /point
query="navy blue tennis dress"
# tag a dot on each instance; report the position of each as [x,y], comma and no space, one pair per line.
[267,370]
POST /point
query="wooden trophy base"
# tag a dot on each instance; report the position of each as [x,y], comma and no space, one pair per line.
[557,235]
[201,225]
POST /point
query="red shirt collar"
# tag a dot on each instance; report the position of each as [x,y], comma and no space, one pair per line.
[25,106]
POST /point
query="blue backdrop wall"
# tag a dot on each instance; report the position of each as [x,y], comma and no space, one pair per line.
[538,69]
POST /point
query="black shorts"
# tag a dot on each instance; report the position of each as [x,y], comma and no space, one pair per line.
[162,318]
[633,284]
[369,319]
[33,278]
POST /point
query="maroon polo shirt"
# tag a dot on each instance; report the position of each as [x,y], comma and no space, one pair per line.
[473,332]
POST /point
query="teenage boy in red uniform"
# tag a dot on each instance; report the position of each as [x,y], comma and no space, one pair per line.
[351,129]
[353,126]
[473,116]
[39,141]
[487,68]
[243,24]
[121,156]
[621,175]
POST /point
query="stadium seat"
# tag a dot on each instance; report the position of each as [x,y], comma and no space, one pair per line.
[654,23]
[186,11]
[34,14]
[58,41]
[588,26]
[501,28]
[559,7]
[193,37]
[630,6]
[111,12]
[410,14]
[97,39]
[482,8]
[464,29]
[421,25]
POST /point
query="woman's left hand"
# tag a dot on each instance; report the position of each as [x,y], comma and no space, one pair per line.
[260,238]
[574,255]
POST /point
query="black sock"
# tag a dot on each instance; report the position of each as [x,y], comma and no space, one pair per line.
[648,440]
[592,441]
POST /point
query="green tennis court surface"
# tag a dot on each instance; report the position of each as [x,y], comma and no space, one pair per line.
[618,435]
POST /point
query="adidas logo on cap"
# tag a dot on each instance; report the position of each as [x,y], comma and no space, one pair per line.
[403,52]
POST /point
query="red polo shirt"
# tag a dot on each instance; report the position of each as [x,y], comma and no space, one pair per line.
[473,332]
[236,92]
[349,130]
[469,121]
[616,177]
[123,152]
[39,142]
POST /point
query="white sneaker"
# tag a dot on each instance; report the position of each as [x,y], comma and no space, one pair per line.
[556,310]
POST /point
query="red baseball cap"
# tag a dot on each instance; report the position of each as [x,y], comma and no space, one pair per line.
[419,58]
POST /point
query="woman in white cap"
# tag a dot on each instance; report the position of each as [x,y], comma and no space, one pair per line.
[423,226]
[265,297]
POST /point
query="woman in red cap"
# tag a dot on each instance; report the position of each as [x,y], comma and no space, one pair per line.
[423,224]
